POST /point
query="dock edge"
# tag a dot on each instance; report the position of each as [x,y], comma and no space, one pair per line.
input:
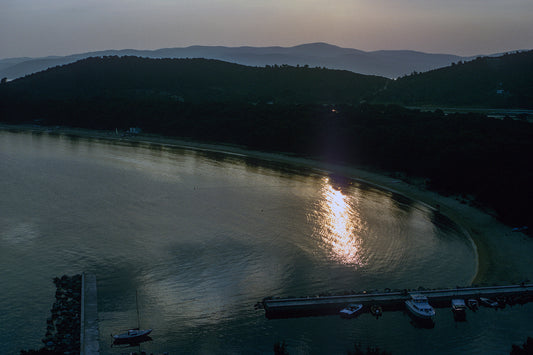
[89,334]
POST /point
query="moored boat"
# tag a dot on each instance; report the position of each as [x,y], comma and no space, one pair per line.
[376,310]
[488,302]
[459,309]
[472,304]
[132,336]
[351,310]
[419,307]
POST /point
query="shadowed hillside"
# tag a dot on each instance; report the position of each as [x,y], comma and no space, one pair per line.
[502,82]
[196,80]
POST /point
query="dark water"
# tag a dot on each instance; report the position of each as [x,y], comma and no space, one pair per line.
[202,236]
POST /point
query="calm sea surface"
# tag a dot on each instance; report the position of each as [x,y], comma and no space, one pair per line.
[202,236]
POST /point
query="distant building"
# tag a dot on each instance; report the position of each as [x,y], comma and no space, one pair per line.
[134,130]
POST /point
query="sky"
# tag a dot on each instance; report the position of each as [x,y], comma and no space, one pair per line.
[36,28]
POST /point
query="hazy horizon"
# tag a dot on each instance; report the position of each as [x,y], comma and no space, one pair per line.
[258,46]
[30,28]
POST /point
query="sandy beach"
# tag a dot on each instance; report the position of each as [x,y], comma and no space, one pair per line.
[503,256]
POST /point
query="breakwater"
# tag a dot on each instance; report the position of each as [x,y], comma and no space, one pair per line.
[393,300]
[89,333]
[63,326]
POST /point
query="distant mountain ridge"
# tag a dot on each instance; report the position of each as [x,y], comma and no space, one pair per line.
[386,63]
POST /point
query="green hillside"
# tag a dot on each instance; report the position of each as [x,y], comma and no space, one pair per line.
[499,82]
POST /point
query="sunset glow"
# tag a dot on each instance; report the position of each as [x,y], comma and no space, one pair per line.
[59,27]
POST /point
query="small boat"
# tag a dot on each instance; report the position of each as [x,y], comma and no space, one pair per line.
[488,302]
[502,301]
[459,309]
[376,310]
[418,306]
[132,336]
[472,304]
[351,310]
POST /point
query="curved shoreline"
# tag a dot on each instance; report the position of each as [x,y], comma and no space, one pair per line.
[497,262]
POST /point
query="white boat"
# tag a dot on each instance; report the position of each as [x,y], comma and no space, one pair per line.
[132,336]
[418,305]
[351,310]
[488,302]
[459,308]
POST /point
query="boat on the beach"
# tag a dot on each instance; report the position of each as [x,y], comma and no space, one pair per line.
[419,307]
[351,310]
[459,309]
[376,310]
[488,302]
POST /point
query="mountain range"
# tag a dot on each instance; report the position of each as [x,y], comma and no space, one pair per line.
[386,63]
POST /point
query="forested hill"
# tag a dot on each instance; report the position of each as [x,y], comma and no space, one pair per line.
[501,82]
[492,82]
[195,80]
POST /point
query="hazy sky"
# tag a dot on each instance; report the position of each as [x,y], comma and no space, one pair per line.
[466,27]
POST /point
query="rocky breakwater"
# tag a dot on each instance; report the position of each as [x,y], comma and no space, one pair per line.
[63,327]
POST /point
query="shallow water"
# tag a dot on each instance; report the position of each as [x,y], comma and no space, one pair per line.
[202,236]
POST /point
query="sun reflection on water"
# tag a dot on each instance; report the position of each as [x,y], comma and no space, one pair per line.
[339,225]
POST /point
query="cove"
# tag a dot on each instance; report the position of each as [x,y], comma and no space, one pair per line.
[202,236]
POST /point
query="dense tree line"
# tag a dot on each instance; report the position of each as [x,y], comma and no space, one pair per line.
[195,80]
[501,82]
[458,153]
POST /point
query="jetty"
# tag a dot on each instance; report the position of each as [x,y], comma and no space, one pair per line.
[392,300]
[89,334]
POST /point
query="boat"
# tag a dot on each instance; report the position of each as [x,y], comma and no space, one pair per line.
[472,304]
[419,307]
[376,310]
[459,309]
[351,310]
[132,336]
[502,301]
[488,302]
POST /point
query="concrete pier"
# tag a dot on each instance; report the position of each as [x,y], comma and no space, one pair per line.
[305,306]
[89,336]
